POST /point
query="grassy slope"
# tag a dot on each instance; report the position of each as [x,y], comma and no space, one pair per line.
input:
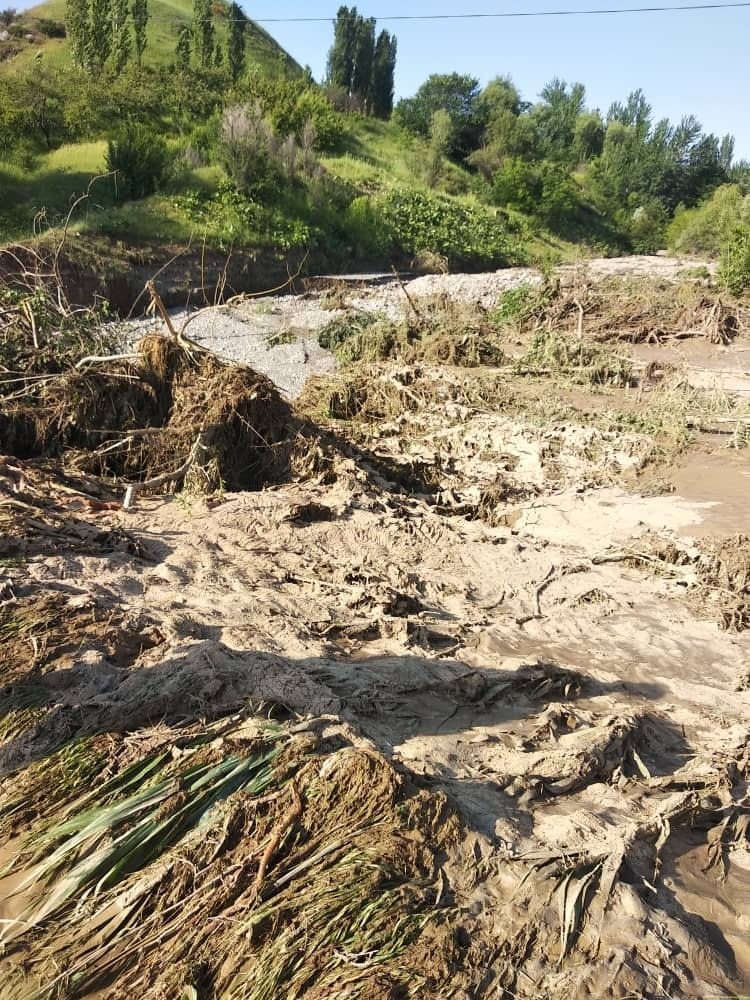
[166,17]
[376,155]
[63,174]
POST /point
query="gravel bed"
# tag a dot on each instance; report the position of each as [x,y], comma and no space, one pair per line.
[277,335]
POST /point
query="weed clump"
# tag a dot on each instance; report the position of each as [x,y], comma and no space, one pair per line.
[555,352]
[437,331]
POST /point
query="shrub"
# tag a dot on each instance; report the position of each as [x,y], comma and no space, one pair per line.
[52,29]
[646,228]
[517,185]
[706,228]
[140,158]
[734,271]
[248,149]
[464,233]
[366,228]
[544,190]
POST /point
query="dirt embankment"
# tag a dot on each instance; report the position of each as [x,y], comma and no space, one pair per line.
[456,706]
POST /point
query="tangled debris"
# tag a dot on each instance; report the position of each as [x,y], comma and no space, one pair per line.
[141,418]
[716,571]
[642,311]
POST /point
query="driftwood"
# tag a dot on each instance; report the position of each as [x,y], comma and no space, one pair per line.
[167,477]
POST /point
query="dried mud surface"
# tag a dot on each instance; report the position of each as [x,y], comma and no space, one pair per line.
[538,668]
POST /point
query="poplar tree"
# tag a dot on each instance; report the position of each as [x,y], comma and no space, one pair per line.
[204,34]
[140,20]
[77,27]
[100,35]
[182,49]
[236,42]
[364,54]
[341,55]
[359,64]
[383,71]
[121,41]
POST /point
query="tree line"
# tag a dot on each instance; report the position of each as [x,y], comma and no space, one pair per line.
[544,158]
[105,35]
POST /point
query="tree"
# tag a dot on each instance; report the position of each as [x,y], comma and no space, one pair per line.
[500,96]
[360,66]
[588,136]
[364,56]
[383,71]
[204,33]
[182,48]
[509,132]
[236,42]
[77,25]
[452,92]
[341,54]
[555,117]
[140,20]
[121,40]
[99,35]
[33,107]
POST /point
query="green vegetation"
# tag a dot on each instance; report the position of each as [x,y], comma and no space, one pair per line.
[206,129]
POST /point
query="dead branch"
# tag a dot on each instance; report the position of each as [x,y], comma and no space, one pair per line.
[243,296]
[92,359]
[409,299]
[167,477]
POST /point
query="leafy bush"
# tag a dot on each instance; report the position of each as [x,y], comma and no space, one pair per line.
[464,233]
[544,190]
[734,271]
[52,29]
[140,159]
[291,108]
[646,228]
[705,229]
[248,149]
[517,185]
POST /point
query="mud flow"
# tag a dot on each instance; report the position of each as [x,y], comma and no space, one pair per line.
[434,682]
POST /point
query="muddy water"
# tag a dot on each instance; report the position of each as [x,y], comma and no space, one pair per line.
[720,483]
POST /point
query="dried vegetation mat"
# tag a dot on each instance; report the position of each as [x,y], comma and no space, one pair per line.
[166,412]
[628,310]
[230,861]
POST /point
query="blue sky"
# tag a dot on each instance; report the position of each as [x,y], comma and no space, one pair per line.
[688,62]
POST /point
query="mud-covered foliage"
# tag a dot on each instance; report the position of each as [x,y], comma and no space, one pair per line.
[227,860]
[717,572]
[437,330]
[139,418]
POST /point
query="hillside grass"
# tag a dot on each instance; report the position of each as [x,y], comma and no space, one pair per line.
[374,159]
[263,50]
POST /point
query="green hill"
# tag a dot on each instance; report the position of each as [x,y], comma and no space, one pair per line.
[166,17]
